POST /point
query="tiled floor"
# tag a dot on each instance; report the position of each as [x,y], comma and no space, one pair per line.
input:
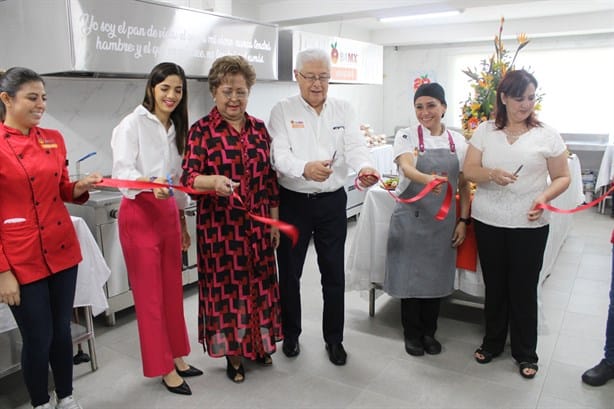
[379,374]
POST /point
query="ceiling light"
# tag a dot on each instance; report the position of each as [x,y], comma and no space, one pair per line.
[420,16]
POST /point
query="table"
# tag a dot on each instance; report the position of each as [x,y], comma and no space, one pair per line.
[606,169]
[365,265]
[92,275]
[605,175]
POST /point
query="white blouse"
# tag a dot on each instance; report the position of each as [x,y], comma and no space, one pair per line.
[142,147]
[507,206]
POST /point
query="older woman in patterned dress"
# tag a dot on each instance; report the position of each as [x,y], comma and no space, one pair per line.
[228,151]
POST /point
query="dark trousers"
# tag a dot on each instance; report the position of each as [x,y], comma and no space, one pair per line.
[419,316]
[511,260]
[609,332]
[324,218]
[43,318]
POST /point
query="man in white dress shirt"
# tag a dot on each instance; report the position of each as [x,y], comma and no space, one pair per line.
[315,142]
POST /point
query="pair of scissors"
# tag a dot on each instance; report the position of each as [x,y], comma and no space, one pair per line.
[332,160]
[170,183]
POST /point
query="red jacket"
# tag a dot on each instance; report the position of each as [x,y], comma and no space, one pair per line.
[37,237]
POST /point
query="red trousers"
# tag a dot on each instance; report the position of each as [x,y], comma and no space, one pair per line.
[150,237]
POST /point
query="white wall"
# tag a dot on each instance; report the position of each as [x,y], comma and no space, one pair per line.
[87,110]
[574,74]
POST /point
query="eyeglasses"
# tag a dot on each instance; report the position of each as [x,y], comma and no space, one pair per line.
[240,94]
[323,78]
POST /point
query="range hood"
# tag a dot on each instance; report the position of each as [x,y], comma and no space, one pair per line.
[126,38]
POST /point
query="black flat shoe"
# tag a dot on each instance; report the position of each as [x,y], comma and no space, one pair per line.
[183,389]
[191,371]
[487,356]
[599,375]
[523,366]
[291,348]
[336,353]
[237,375]
[431,345]
[414,347]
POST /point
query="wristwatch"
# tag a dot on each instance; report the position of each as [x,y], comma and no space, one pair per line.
[467,220]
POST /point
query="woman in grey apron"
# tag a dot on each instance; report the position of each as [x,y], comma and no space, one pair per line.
[421,251]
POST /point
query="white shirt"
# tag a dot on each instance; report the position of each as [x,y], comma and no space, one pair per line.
[299,135]
[507,206]
[142,147]
[406,140]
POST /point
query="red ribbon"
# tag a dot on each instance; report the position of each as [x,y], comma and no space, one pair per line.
[445,206]
[577,209]
[286,228]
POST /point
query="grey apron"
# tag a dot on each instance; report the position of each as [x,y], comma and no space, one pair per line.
[420,260]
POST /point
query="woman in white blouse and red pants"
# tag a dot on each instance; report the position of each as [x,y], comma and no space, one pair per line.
[147,145]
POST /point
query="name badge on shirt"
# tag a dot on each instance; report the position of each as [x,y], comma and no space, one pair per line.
[297,124]
[47,143]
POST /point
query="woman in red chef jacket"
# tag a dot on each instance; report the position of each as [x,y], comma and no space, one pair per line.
[39,250]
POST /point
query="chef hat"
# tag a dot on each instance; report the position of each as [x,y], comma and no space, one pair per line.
[431,90]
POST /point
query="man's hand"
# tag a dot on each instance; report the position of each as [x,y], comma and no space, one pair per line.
[317,170]
[368,177]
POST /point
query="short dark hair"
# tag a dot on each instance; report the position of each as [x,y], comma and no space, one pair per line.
[230,64]
[179,116]
[514,84]
[11,82]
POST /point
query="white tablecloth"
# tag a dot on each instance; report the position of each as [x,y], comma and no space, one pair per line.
[366,260]
[93,274]
[606,169]
[382,159]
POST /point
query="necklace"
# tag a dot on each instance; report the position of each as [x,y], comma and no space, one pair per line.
[512,135]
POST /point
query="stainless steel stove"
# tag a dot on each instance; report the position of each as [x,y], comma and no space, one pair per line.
[100,213]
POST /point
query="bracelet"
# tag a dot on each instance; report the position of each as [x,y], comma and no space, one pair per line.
[152,178]
[465,220]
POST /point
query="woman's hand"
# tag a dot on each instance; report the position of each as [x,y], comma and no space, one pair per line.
[437,189]
[224,186]
[9,288]
[274,237]
[186,240]
[86,184]
[534,214]
[501,177]
[460,232]
[161,192]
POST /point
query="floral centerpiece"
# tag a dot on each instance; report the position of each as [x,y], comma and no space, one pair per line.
[480,107]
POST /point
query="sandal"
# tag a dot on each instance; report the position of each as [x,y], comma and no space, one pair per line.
[265,360]
[528,365]
[237,375]
[486,356]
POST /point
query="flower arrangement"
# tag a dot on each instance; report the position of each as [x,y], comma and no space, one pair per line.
[480,107]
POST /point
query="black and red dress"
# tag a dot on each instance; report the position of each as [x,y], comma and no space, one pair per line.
[238,291]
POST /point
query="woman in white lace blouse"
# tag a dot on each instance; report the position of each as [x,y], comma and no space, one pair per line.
[510,159]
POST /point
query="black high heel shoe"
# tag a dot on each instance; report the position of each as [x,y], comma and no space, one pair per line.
[182,389]
[237,375]
[191,371]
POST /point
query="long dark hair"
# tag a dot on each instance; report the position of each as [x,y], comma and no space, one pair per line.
[513,85]
[179,116]
[12,80]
